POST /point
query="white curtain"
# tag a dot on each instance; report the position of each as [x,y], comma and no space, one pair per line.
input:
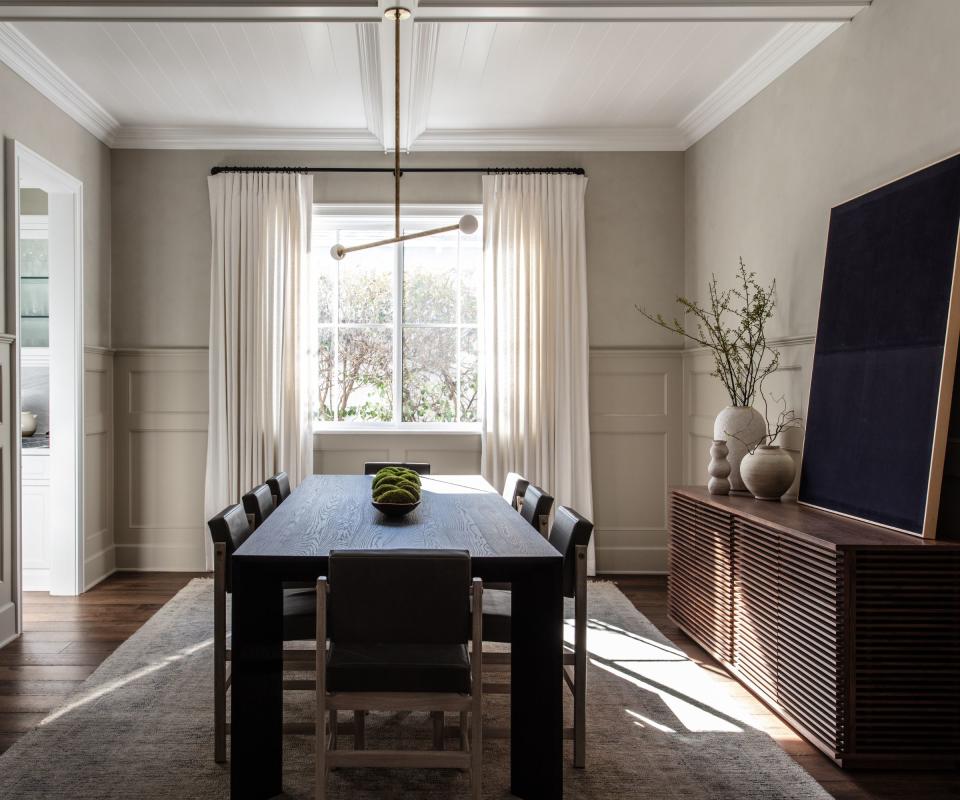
[535,349]
[259,316]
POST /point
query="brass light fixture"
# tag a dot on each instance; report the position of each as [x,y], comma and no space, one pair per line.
[467,224]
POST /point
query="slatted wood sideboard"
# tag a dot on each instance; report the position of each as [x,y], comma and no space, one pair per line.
[848,631]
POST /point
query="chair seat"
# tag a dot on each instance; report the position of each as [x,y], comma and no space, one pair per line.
[398,668]
[299,615]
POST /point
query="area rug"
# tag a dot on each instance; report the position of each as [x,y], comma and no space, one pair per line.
[659,726]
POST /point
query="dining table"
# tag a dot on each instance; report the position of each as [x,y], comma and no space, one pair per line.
[334,512]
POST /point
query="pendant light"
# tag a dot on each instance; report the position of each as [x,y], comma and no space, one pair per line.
[467,224]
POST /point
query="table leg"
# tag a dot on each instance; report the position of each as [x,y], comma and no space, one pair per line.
[256,725]
[536,694]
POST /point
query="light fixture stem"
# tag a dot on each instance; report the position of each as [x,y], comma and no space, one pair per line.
[396,123]
[405,238]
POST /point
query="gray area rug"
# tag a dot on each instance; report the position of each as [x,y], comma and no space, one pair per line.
[141,726]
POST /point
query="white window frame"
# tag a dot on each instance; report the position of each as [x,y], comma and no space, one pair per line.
[380,216]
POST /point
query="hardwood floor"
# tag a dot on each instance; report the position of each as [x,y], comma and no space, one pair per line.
[66,638]
[649,595]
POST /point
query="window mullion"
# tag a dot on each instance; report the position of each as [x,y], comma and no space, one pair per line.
[398,333]
[459,331]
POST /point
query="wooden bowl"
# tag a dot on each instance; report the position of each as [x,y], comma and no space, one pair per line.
[394,509]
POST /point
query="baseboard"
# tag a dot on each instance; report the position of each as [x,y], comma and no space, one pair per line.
[107,557]
[159,558]
[99,580]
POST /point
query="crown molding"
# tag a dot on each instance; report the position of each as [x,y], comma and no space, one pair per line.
[27,61]
[242,138]
[784,50]
[550,139]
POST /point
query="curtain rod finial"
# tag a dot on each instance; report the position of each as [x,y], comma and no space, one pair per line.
[337,252]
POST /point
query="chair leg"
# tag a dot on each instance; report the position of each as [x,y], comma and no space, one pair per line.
[476,753]
[359,730]
[437,729]
[464,738]
[580,661]
[219,655]
[334,722]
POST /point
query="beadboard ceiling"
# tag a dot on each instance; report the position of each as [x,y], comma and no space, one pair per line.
[493,76]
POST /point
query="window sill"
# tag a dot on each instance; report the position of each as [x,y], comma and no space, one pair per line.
[410,429]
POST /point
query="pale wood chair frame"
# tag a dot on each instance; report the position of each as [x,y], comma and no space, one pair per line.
[293,660]
[574,667]
[468,758]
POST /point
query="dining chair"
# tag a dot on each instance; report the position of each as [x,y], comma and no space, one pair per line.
[373,467]
[399,625]
[570,535]
[536,508]
[229,529]
[279,487]
[258,503]
[514,488]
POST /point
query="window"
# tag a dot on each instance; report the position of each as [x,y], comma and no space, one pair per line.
[397,339]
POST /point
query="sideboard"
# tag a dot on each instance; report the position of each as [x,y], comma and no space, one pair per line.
[850,632]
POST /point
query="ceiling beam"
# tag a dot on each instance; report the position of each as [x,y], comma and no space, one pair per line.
[439,10]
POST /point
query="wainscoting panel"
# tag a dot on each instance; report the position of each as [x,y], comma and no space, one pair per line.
[99,552]
[338,453]
[704,396]
[160,403]
[635,435]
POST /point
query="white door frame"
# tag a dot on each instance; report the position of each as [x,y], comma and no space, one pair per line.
[65,198]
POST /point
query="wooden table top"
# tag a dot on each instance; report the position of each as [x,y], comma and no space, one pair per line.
[334,512]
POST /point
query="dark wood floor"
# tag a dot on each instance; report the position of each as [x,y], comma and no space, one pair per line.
[65,639]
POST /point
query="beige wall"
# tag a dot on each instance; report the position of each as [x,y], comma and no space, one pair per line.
[634,217]
[161,223]
[879,98]
[28,117]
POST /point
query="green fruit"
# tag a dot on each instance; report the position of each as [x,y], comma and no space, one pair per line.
[396,496]
[411,476]
[382,479]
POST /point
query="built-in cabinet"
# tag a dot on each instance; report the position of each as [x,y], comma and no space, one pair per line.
[849,631]
[35,522]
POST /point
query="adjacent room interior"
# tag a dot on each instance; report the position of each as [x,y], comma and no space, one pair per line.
[476,398]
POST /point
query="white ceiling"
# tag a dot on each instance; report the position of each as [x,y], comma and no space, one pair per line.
[537,84]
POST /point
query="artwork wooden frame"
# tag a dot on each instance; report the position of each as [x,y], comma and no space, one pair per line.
[886,352]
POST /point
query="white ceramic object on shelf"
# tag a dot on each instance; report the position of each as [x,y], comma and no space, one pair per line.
[28,423]
[719,468]
[742,427]
[768,472]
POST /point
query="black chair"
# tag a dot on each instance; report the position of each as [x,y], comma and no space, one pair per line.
[536,508]
[570,535]
[229,529]
[514,487]
[373,467]
[279,487]
[399,626]
[258,503]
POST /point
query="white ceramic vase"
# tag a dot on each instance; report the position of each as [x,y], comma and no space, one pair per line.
[719,468]
[768,472]
[743,427]
[28,423]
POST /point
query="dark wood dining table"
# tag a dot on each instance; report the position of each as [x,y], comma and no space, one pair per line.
[333,512]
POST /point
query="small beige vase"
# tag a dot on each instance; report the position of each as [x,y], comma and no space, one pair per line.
[768,472]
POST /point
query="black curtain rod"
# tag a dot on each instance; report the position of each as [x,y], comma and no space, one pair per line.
[389,170]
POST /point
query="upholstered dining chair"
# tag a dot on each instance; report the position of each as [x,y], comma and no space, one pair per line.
[570,535]
[258,503]
[279,486]
[399,625]
[373,467]
[229,529]
[514,488]
[536,508]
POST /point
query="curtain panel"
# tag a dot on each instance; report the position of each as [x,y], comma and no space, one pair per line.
[535,347]
[259,315]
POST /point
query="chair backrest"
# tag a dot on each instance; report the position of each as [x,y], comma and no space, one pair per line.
[514,488]
[279,487]
[569,531]
[536,506]
[394,596]
[231,528]
[373,467]
[258,503]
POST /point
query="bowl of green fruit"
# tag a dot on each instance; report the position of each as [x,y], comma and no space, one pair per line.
[396,491]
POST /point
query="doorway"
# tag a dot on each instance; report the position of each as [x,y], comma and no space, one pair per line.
[47,309]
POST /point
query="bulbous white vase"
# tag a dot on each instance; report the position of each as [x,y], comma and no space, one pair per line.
[742,427]
[768,472]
